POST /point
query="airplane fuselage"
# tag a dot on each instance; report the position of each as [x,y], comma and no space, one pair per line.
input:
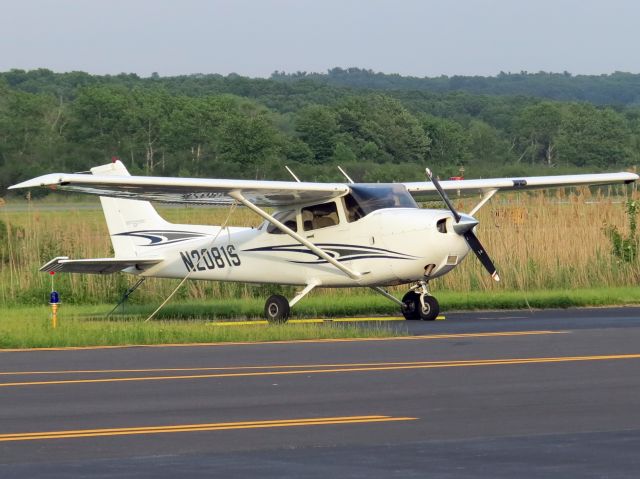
[387,247]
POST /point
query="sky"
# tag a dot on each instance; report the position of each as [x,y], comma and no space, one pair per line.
[256,37]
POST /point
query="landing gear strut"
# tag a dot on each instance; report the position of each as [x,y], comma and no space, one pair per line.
[419,304]
[277,307]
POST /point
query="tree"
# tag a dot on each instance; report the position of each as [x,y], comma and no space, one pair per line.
[148,118]
[538,127]
[316,125]
[383,122]
[449,141]
[485,145]
[30,134]
[342,154]
[99,120]
[593,137]
[249,141]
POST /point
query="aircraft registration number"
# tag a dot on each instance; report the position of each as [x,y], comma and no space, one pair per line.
[216,257]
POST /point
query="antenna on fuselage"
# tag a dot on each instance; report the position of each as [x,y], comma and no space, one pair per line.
[292,173]
[345,175]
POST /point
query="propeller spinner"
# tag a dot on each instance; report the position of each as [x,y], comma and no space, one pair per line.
[464,226]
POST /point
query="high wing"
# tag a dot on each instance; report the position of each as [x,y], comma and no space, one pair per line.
[284,193]
[62,264]
[481,186]
[190,190]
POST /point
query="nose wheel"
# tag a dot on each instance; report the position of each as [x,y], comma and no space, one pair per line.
[418,304]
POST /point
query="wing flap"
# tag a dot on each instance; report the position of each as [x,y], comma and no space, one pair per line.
[62,264]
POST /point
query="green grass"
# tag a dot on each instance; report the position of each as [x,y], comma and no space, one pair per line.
[560,298]
[335,305]
[30,327]
[80,326]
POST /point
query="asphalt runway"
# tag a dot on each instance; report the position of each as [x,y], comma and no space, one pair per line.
[526,394]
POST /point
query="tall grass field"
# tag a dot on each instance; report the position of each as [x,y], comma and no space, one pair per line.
[541,241]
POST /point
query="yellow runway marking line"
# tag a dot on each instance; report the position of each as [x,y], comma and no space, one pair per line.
[296,341]
[125,431]
[344,368]
[314,321]
[225,368]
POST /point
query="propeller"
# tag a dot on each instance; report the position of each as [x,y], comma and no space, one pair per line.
[464,226]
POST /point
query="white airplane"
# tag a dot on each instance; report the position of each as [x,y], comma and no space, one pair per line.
[320,235]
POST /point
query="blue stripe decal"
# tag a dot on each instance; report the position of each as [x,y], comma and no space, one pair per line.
[340,252]
[163,237]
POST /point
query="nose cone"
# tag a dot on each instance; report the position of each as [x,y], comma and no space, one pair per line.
[465,224]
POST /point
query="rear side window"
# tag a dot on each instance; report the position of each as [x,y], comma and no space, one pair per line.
[320,216]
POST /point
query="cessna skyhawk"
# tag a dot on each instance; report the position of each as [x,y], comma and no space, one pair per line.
[319,234]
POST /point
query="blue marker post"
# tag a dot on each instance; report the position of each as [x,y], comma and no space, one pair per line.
[54,301]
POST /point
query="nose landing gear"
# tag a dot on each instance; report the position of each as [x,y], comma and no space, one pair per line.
[419,304]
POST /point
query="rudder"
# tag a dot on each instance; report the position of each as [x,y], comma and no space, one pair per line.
[124,215]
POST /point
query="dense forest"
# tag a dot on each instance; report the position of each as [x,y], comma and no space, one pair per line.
[616,89]
[379,127]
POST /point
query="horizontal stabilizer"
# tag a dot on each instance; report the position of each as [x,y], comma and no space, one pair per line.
[62,264]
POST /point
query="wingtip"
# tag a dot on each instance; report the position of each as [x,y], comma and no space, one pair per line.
[495,276]
[46,180]
[24,184]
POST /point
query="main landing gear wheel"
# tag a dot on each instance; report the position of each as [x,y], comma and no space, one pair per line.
[412,307]
[276,309]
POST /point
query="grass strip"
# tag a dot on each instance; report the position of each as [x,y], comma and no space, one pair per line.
[79,326]
[367,304]
[86,325]
[540,299]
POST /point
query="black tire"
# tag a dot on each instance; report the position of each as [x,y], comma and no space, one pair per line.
[431,308]
[411,306]
[277,309]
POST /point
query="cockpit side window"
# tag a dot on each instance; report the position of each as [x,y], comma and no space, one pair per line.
[352,209]
[319,216]
[288,218]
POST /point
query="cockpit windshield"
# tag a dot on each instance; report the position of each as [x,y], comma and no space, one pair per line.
[365,198]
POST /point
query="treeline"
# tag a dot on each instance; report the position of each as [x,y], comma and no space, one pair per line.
[215,126]
[618,88]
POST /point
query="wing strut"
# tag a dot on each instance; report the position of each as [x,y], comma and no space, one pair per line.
[303,293]
[486,196]
[236,195]
[386,294]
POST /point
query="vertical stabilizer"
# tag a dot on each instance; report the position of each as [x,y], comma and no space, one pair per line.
[125,216]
